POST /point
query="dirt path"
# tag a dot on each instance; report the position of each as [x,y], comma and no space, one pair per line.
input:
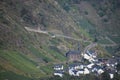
[54,35]
[35,30]
[68,37]
[89,47]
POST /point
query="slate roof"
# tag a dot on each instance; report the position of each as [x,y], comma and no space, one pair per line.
[97,67]
[58,65]
[75,71]
[90,52]
[60,71]
[72,52]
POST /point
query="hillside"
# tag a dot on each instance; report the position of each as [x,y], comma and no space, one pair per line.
[31,52]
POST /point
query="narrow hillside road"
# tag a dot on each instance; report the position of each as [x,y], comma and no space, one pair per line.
[68,37]
[54,35]
[35,30]
[89,47]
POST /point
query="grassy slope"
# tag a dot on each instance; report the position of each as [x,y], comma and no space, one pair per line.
[24,51]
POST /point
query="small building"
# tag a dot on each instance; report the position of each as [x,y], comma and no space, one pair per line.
[58,73]
[88,57]
[58,67]
[86,71]
[91,53]
[111,75]
[76,66]
[73,56]
[90,65]
[78,72]
[72,72]
[97,69]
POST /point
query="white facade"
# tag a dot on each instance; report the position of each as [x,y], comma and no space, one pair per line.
[58,68]
[111,76]
[86,71]
[79,72]
[100,71]
[71,72]
[83,71]
[58,74]
[90,65]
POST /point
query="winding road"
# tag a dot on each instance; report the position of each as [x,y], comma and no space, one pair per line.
[35,30]
[89,47]
[68,37]
[54,35]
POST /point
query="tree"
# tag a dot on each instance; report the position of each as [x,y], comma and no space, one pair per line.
[105,76]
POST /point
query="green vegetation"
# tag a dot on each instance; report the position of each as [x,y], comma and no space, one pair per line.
[47,69]
[86,13]
[55,41]
[87,25]
[116,39]
[55,54]
[19,61]
[101,14]
[104,41]
[19,48]
[12,76]
[110,49]
[68,77]
[39,54]
[65,4]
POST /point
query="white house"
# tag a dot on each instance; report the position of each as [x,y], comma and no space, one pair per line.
[111,75]
[86,71]
[80,72]
[76,66]
[97,69]
[60,74]
[79,67]
[91,54]
[83,71]
[89,58]
[58,67]
[90,65]
[72,72]
[100,71]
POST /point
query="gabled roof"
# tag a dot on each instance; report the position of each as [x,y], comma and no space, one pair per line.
[75,71]
[72,52]
[58,65]
[112,61]
[90,52]
[60,71]
[81,70]
[97,67]
[75,64]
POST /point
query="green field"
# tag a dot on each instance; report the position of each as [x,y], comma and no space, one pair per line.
[19,61]
[8,75]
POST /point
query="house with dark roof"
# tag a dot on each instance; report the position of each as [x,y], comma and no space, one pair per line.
[76,66]
[97,69]
[59,73]
[92,53]
[58,67]
[73,55]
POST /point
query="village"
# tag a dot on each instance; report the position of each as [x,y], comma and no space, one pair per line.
[87,62]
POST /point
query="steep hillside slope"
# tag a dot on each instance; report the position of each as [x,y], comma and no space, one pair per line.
[99,18]
[31,53]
